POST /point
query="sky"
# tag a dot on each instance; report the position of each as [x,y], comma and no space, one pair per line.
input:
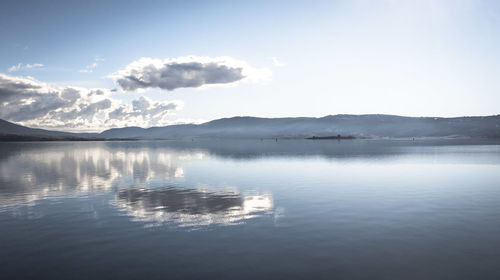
[94,65]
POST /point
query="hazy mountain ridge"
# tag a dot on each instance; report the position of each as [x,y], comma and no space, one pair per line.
[15,132]
[364,126]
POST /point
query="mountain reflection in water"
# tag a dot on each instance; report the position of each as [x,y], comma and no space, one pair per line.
[192,207]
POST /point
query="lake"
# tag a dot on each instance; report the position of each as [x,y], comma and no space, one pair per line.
[291,209]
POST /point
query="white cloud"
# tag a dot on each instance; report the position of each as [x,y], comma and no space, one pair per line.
[143,112]
[277,63]
[20,66]
[90,68]
[186,72]
[38,104]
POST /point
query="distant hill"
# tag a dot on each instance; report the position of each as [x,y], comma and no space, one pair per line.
[359,126]
[11,128]
[14,132]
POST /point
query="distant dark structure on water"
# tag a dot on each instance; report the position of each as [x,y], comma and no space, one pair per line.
[334,137]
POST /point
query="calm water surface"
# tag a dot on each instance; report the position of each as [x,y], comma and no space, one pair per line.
[250,210]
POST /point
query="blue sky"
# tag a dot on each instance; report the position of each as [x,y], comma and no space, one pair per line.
[414,58]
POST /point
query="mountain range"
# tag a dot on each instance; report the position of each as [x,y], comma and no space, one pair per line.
[358,126]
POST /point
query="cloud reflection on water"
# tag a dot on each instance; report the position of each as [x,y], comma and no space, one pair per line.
[65,170]
[61,170]
[136,173]
[193,207]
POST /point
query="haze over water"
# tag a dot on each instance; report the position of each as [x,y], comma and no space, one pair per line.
[291,209]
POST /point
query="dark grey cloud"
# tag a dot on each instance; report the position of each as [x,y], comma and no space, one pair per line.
[172,76]
[10,88]
[184,72]
[23,99]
